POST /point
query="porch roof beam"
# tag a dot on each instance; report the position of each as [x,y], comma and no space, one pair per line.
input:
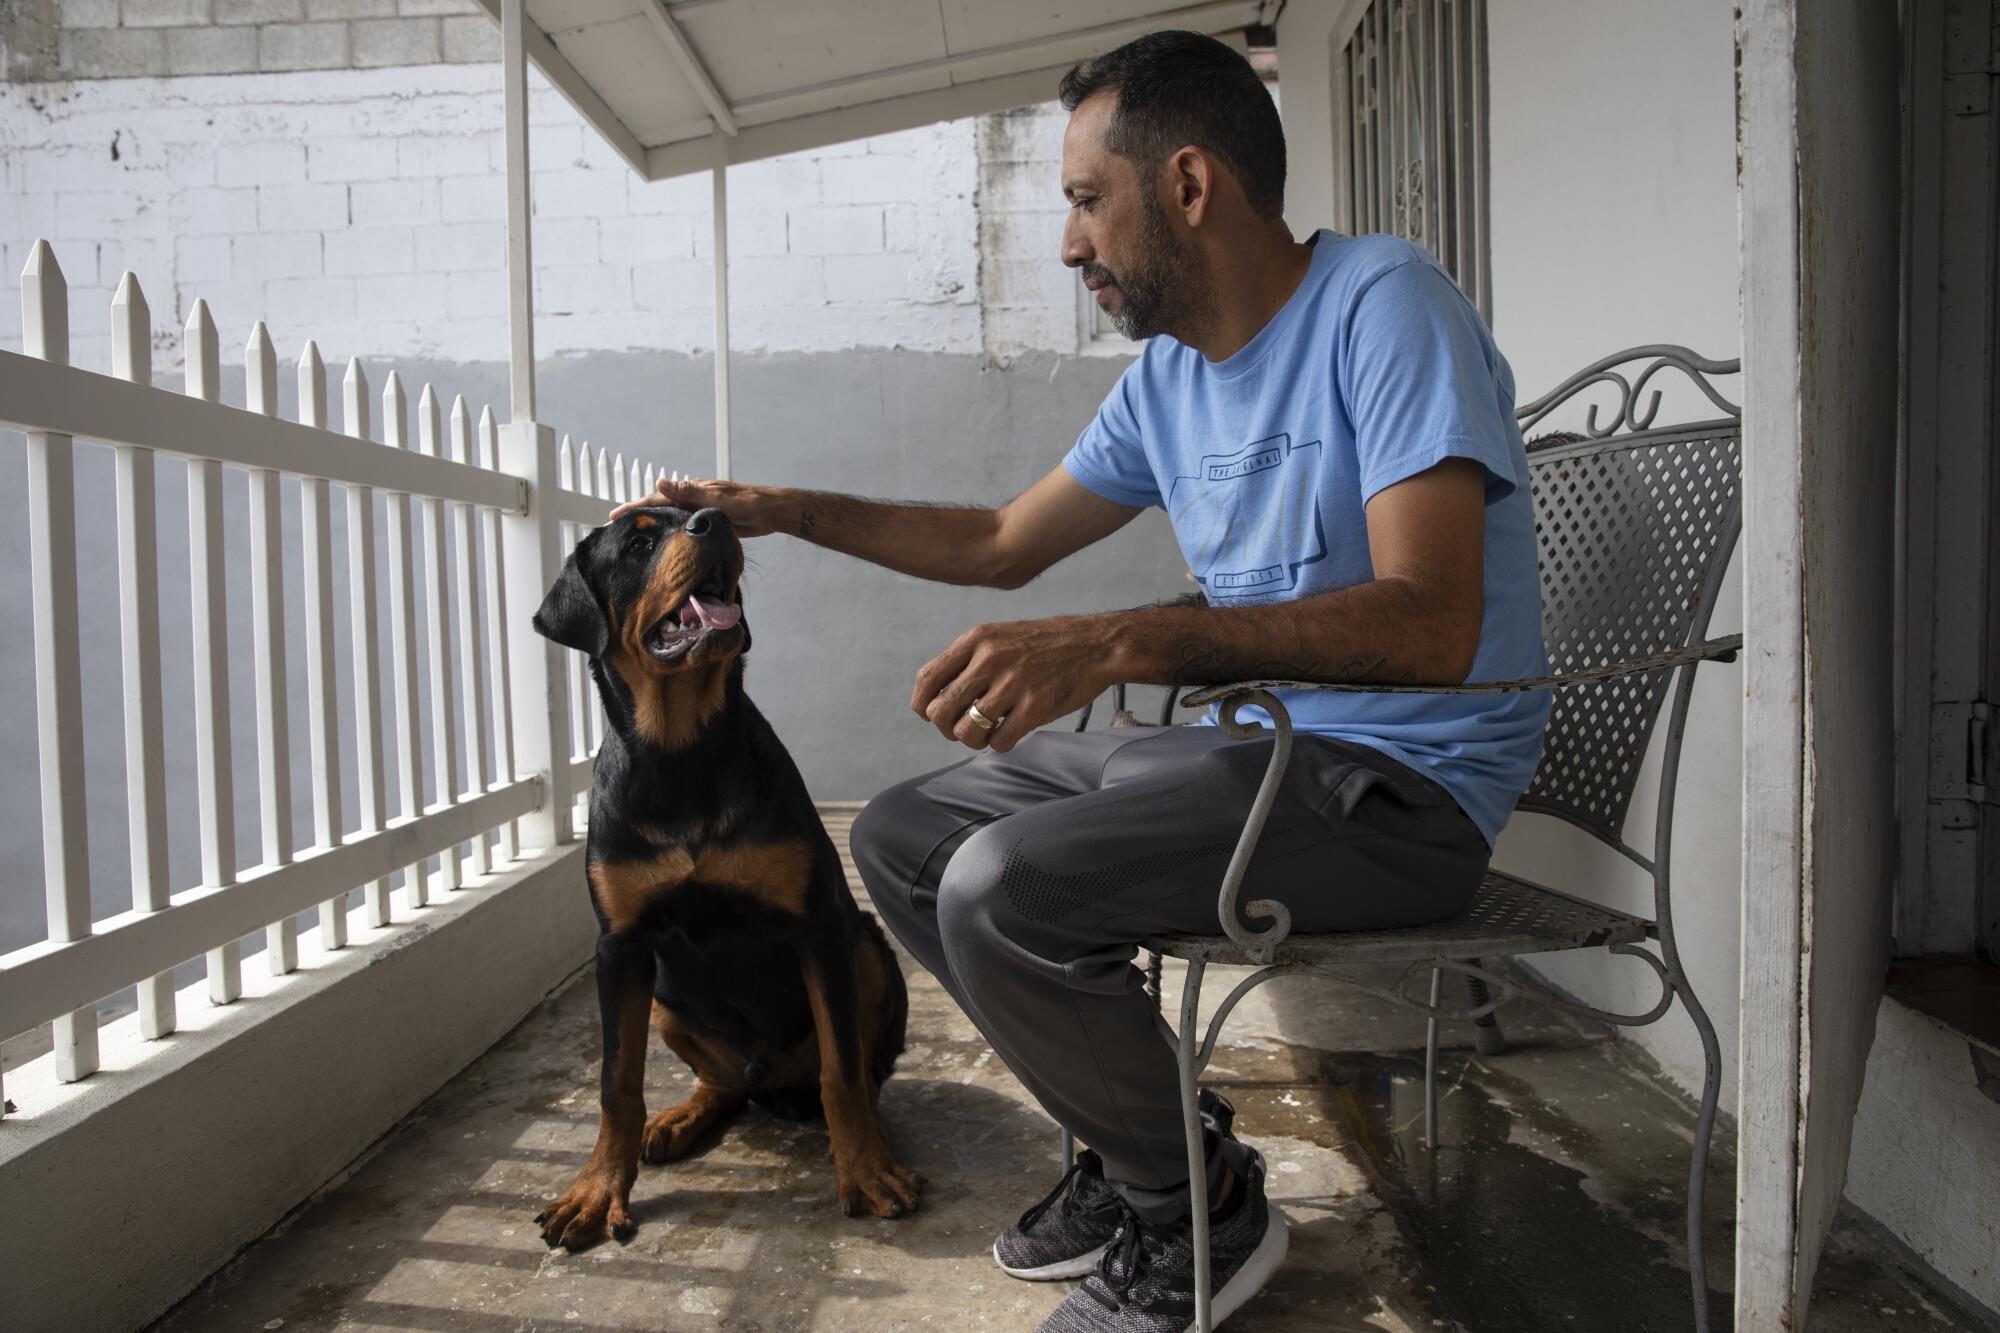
[1063,48]
[690,63]
[987,79]
[575,89]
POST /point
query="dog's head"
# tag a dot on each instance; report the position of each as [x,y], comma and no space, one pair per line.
[652,595]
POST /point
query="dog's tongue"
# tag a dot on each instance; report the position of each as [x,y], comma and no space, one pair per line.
[716,615]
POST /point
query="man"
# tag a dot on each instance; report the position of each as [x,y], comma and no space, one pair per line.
[1331,430]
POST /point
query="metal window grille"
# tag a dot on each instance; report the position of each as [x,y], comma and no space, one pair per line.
[1414,157]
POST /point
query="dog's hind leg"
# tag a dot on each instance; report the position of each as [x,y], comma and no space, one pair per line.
[718,1092]
[884,1003]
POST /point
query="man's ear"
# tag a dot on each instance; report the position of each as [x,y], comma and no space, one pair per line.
[570,614]
[1190,181]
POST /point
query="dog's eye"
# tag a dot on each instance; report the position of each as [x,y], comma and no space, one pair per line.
[640,543]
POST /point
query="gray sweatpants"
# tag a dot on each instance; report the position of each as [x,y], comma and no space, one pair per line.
[1025,881]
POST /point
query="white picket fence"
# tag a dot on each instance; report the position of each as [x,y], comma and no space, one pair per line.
[457,526]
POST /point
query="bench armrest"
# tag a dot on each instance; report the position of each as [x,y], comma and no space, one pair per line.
[1707,650]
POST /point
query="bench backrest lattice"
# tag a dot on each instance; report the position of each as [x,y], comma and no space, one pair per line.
[1636,526]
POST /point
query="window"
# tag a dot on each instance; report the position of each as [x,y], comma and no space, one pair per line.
[1413,151]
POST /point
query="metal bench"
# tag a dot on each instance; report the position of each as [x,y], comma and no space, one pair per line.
[1636,523]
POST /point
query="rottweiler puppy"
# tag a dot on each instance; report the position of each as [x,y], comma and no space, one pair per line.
[724,916]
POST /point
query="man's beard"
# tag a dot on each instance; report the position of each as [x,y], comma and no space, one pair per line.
[1162,287]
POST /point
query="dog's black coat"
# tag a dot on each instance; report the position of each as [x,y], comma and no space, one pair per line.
[721,901]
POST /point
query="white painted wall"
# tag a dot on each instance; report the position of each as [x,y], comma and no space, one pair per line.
[364,208]
[1613,147]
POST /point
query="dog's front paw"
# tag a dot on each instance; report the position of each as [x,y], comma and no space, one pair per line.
[874,1183]
[596,1203]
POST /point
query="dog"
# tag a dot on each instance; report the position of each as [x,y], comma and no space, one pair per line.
[724,917]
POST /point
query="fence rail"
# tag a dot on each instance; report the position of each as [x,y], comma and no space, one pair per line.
[459,801]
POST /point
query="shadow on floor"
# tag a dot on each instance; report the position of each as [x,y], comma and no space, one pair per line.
[1555,1202]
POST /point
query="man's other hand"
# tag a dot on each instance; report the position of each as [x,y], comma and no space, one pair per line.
[1024,673]
[748,507]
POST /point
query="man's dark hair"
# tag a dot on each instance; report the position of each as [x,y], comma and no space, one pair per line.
[1180,88]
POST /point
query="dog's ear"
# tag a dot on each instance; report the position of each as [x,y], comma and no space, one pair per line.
[570,614]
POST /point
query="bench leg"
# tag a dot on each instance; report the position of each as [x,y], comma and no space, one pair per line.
[1187,1050]
[1431,1064]
[1487,1037]
[1704,1133]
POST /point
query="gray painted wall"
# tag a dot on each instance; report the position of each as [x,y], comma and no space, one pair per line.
[837,641]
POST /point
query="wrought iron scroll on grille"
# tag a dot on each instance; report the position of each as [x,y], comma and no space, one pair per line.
[1415,149]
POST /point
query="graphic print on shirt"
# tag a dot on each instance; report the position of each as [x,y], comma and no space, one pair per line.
[1250,521]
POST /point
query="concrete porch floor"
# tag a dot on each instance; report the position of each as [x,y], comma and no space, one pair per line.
[1554,1204]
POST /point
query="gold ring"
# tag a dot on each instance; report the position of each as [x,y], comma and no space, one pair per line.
[979,719]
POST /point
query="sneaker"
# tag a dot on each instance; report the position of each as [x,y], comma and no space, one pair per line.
[1145,1281]
[1064,1235]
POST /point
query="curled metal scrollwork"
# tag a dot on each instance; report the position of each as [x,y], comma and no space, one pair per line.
[1669,987]
[1502,987]
[1261,946]
[1221,1015]
[1627,414]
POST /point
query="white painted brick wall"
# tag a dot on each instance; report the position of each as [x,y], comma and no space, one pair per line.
[365,208]
[1030,300]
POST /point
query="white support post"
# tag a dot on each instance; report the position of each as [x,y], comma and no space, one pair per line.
[576,476]
[520,213]
[322,708]
[531,551]
[720,212]
[529,545]
[139,643]
[58,657]
[437,586]
[364,639]
[267,634]
[473,649]
[209,612]
[499,637]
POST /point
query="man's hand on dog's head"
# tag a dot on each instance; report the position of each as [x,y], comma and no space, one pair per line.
[748,507]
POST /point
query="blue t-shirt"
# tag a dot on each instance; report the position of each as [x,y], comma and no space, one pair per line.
[1376,369]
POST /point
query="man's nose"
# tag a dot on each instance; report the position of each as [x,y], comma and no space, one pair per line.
[1076,248]
[705,521]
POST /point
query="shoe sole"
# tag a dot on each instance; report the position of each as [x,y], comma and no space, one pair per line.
[1256,1271]
[1081,1266]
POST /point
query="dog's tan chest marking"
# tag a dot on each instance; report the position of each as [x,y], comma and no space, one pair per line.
[624,888]
[774,873]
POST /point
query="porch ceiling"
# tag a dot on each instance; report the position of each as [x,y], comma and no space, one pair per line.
[677,86]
